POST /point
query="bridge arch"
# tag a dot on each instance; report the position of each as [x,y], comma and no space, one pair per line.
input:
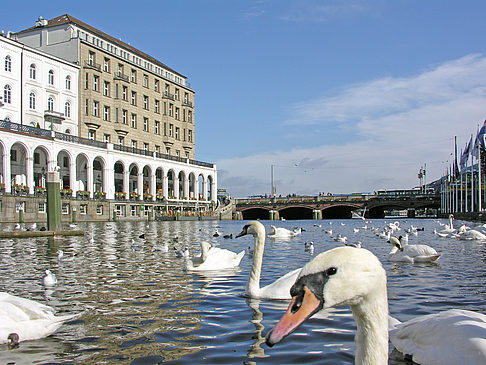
[296,212]
[255,213]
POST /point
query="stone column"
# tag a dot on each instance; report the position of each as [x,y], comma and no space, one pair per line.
[30,173]
[89,177]
[53,201]
[109,182]
[126,183]
[153,185]
[140,184]
[176,185]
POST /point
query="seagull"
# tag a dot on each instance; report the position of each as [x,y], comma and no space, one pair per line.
[49,279]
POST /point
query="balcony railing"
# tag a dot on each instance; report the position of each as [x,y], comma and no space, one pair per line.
[121,76]
[187,103]
[168,95]
[80,140]
[25,128]
[90,142]
[94,66]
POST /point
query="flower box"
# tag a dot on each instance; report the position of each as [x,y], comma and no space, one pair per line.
[82,194]
[99,195]
[66,193]
[147,197]
[134,196]
[120,195]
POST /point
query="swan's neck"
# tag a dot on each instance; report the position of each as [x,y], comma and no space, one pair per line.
[371,317]
[253,284]
[393,250]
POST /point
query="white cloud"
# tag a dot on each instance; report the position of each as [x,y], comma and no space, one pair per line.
[399,125]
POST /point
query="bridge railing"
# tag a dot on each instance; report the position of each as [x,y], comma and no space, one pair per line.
[301,199]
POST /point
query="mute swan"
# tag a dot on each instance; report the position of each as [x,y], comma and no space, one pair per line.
[280,232]
[49,279]
[347,276]
[27,318]
[214,258]
[440,234]
[340,238]
[411,253]
[472,234]
[279,289]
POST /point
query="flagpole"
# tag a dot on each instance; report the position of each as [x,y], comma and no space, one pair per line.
[461,206]
[479,179]
[466,207]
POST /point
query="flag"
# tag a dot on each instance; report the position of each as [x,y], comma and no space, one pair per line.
[465,155]
[480,140]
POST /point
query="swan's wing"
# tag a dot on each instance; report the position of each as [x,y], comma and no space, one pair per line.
[280,288]
[22,308]
[219,259]
[450,337]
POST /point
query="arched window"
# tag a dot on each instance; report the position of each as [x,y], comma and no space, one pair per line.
[7,94]
[32,71]
[68,82]
[67,131]
[32,100]
[51,77]
[67,109]
[50,104]
[8,64]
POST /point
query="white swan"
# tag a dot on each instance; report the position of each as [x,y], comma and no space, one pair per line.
[214,258]
[280,232]
[411,253]
[347,276]
[340,238]
[279,289]
[440,234]
[29,319]
[471,234]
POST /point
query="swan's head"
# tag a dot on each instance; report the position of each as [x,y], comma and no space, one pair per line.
[341,276]
[254,228]
[396,243]
[13,340]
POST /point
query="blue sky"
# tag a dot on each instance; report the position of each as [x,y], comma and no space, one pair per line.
[340,96]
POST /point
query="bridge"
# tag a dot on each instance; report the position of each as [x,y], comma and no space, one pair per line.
[336,206]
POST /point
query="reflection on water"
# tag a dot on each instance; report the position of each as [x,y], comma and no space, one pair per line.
[139,306]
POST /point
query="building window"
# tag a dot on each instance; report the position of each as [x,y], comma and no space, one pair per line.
[8,64]
[106,65]
[145,124]
[134,120]
[106,138]
[96,111]
[167,150]
[125,93]
[171,130]
[145,102]
[171,110]
[186,97]
[145,146]
[121,140]
[50,104]
[32,100]
[177,133]
[157,127]
[68,82]
[177,113]
[65,208]
[99,209]
[50,78]
[189,116]
[91,56]
[124,116]
[156,106]
[156,85]
[32,71]
[83,209]
[177,94]
[91,134]
[133,77]
[67,109]
[106,88]
[189,135]
[134,144]
[134,98]
[41,207]
[106,113]
[7,94]
[96,80]
[157,149]
[145,80]
[86,85]
[86,107]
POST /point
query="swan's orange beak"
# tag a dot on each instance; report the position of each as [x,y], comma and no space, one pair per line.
[295,315]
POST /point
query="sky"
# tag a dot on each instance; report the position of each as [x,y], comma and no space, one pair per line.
[337,96]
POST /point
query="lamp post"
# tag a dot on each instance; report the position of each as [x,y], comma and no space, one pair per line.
[274,190]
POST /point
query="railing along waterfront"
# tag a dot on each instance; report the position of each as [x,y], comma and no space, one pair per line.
[91,142]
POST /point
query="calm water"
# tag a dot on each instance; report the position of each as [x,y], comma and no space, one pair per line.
[140,307]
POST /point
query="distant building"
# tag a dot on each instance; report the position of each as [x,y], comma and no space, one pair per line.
[126,96]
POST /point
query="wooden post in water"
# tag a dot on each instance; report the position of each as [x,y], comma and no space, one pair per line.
[53,201]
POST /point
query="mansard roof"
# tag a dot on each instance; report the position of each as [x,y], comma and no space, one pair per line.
[69,19]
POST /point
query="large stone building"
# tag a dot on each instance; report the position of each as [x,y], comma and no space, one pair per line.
[126,96]
[129,146]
